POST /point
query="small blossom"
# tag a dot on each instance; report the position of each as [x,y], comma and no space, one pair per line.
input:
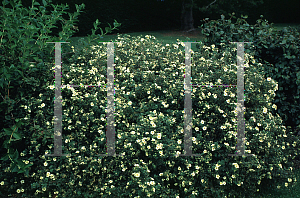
[136,174]
[236,165]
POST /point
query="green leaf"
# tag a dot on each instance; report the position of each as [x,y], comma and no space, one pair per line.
[12,3]
[20,163]
[19,123]
[27,172]
[14,167]
[107,29]
[28,165]
[8,131]
[7,76]
[17,136]
[5,144]
[5,157]
[16,155]
[14,128]
[35,3]
[116,24]
[283,42]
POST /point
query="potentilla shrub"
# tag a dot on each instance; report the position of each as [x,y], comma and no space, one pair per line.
[149,120]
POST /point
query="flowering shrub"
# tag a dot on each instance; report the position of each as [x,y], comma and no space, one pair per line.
[149,121]
[149,115]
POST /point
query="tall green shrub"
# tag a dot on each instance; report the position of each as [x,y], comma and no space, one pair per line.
[25,70]
[279,49]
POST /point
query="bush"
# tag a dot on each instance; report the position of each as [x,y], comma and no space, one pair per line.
[279,48]
[149,105]
[21,81]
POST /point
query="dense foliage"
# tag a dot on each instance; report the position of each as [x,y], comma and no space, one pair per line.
[149,114]
[23,73]
[278,50]
[149,118]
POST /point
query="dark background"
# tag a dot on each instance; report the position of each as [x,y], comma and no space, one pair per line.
[155,15]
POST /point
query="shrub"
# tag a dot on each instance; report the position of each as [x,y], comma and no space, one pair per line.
[279,48]
[149,105]
[149,99]
[21,81]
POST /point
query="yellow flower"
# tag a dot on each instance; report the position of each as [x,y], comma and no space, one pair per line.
[236,165]
[159,136]
[136,174]
[259,166]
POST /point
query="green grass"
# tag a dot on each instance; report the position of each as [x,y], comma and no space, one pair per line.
[159,35]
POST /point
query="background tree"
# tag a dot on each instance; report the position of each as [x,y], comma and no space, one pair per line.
[187,20]
[215,8]
[156,15]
